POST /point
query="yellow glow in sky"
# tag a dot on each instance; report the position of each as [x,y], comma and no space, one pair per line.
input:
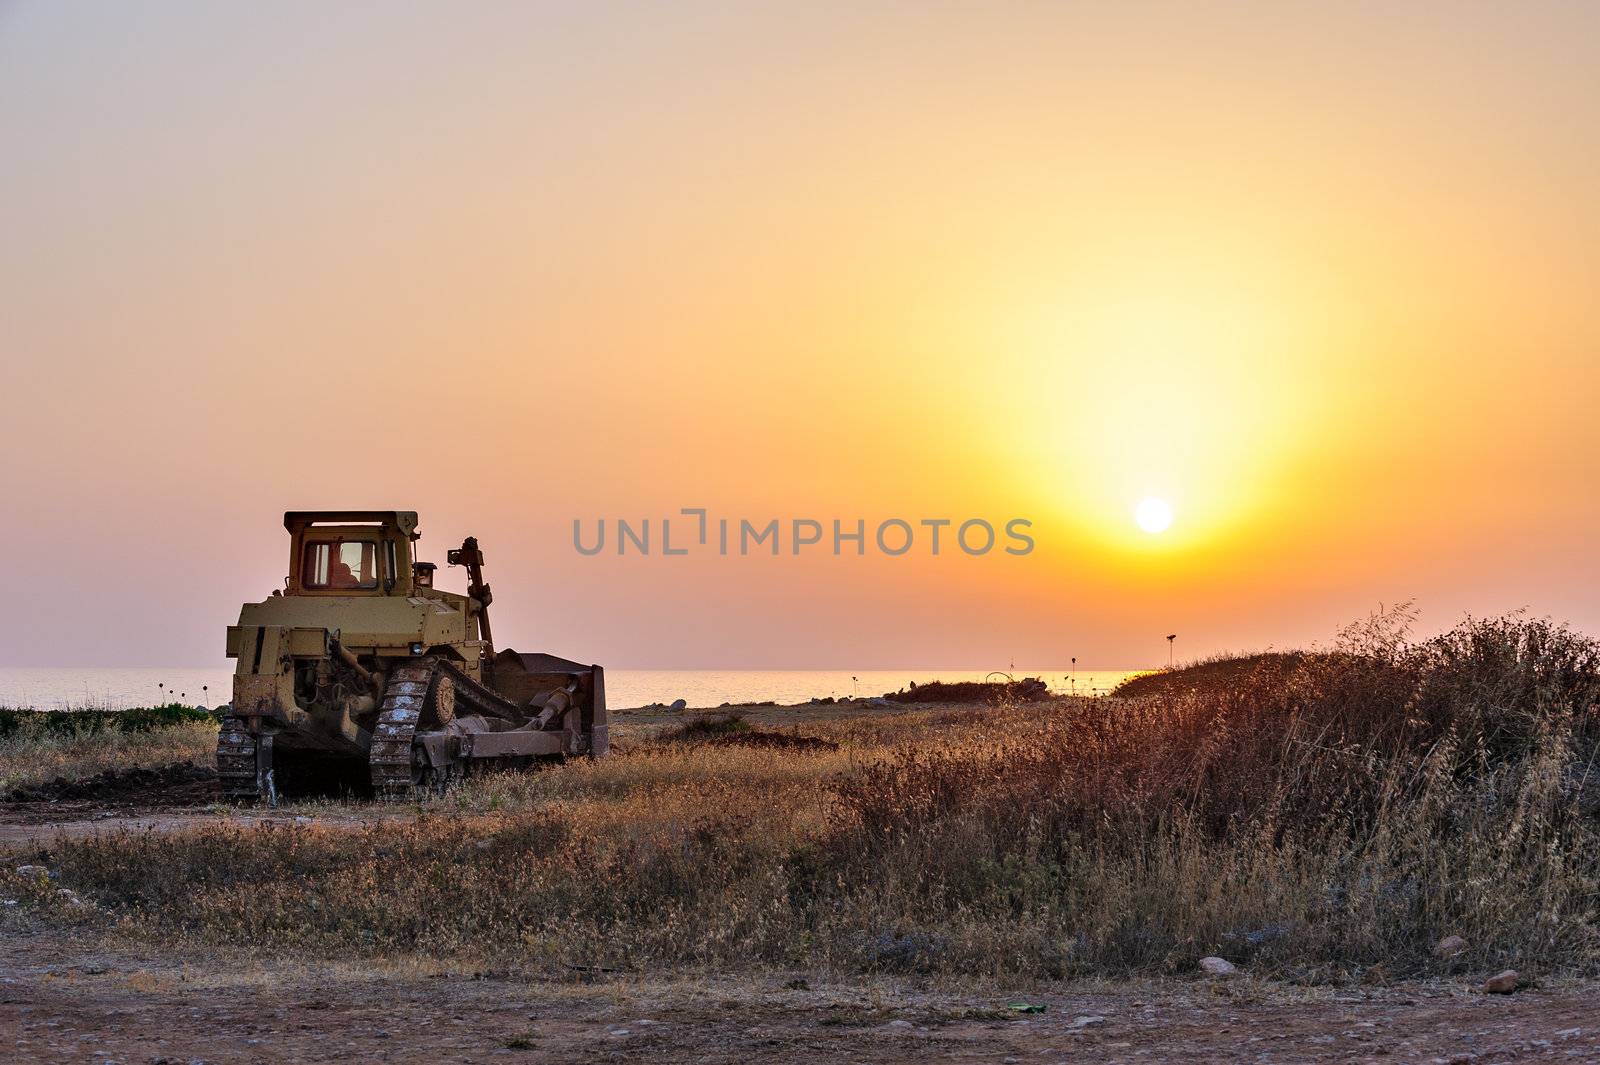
[1318,277]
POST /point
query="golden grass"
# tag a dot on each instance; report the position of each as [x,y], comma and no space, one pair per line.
[1309,825]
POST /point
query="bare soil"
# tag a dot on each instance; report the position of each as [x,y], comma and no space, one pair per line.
[64,1001]
[175,785]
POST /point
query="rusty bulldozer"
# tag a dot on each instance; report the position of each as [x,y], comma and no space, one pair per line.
[359,673]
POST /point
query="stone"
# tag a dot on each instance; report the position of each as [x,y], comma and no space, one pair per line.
[1218,966]
[32,870]
[1086,1022]
[680,704]
[1449,947]
[1501,983]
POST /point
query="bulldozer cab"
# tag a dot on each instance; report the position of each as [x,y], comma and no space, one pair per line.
[350,552]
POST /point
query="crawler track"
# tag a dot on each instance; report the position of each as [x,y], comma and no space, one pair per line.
[435,690]
[236,761]
[395,772]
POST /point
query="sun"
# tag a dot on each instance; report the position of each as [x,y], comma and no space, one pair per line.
[1153,515]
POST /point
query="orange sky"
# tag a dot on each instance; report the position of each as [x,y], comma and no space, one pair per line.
[1324,281]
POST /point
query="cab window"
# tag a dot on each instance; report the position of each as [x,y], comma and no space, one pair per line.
[340,564]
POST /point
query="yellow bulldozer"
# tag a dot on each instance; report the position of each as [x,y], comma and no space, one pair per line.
[359,674]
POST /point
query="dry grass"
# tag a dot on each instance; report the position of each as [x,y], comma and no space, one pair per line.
[1309,824]
[31,756]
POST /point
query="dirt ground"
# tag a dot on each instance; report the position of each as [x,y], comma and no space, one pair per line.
[65,1002]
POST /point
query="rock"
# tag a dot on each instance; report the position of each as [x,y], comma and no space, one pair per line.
[1449,947]
[879,701]
[32,870]
[1502,983]
[680,704]
[1218,966]
[1086,1022]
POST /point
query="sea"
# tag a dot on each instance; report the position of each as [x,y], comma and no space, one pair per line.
[118,689]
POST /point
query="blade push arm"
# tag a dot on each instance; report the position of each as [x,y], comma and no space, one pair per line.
[470,556]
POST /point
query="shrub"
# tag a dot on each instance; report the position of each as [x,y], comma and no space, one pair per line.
[86,721]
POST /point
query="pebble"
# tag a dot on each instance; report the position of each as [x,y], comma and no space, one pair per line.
[1086,1021]
[1218,966]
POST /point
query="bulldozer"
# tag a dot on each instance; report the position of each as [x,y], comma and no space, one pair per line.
[359,674]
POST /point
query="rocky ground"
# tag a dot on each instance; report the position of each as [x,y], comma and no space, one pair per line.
[62,1001]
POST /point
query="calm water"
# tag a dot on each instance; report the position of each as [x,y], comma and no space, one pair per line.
[122,688]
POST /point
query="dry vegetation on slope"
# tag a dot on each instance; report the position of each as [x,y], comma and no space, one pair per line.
[42,747]
[1310,824]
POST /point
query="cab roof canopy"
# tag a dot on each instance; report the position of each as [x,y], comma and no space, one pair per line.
[404,520]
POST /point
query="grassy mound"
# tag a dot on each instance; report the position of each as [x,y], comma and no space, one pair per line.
[1029,689]
[38,746]
[701,729]
[1214,673]
[732,730]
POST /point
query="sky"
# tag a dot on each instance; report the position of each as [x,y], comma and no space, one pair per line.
[1319,278]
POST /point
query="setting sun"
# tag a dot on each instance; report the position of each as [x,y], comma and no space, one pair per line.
[1153,515]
